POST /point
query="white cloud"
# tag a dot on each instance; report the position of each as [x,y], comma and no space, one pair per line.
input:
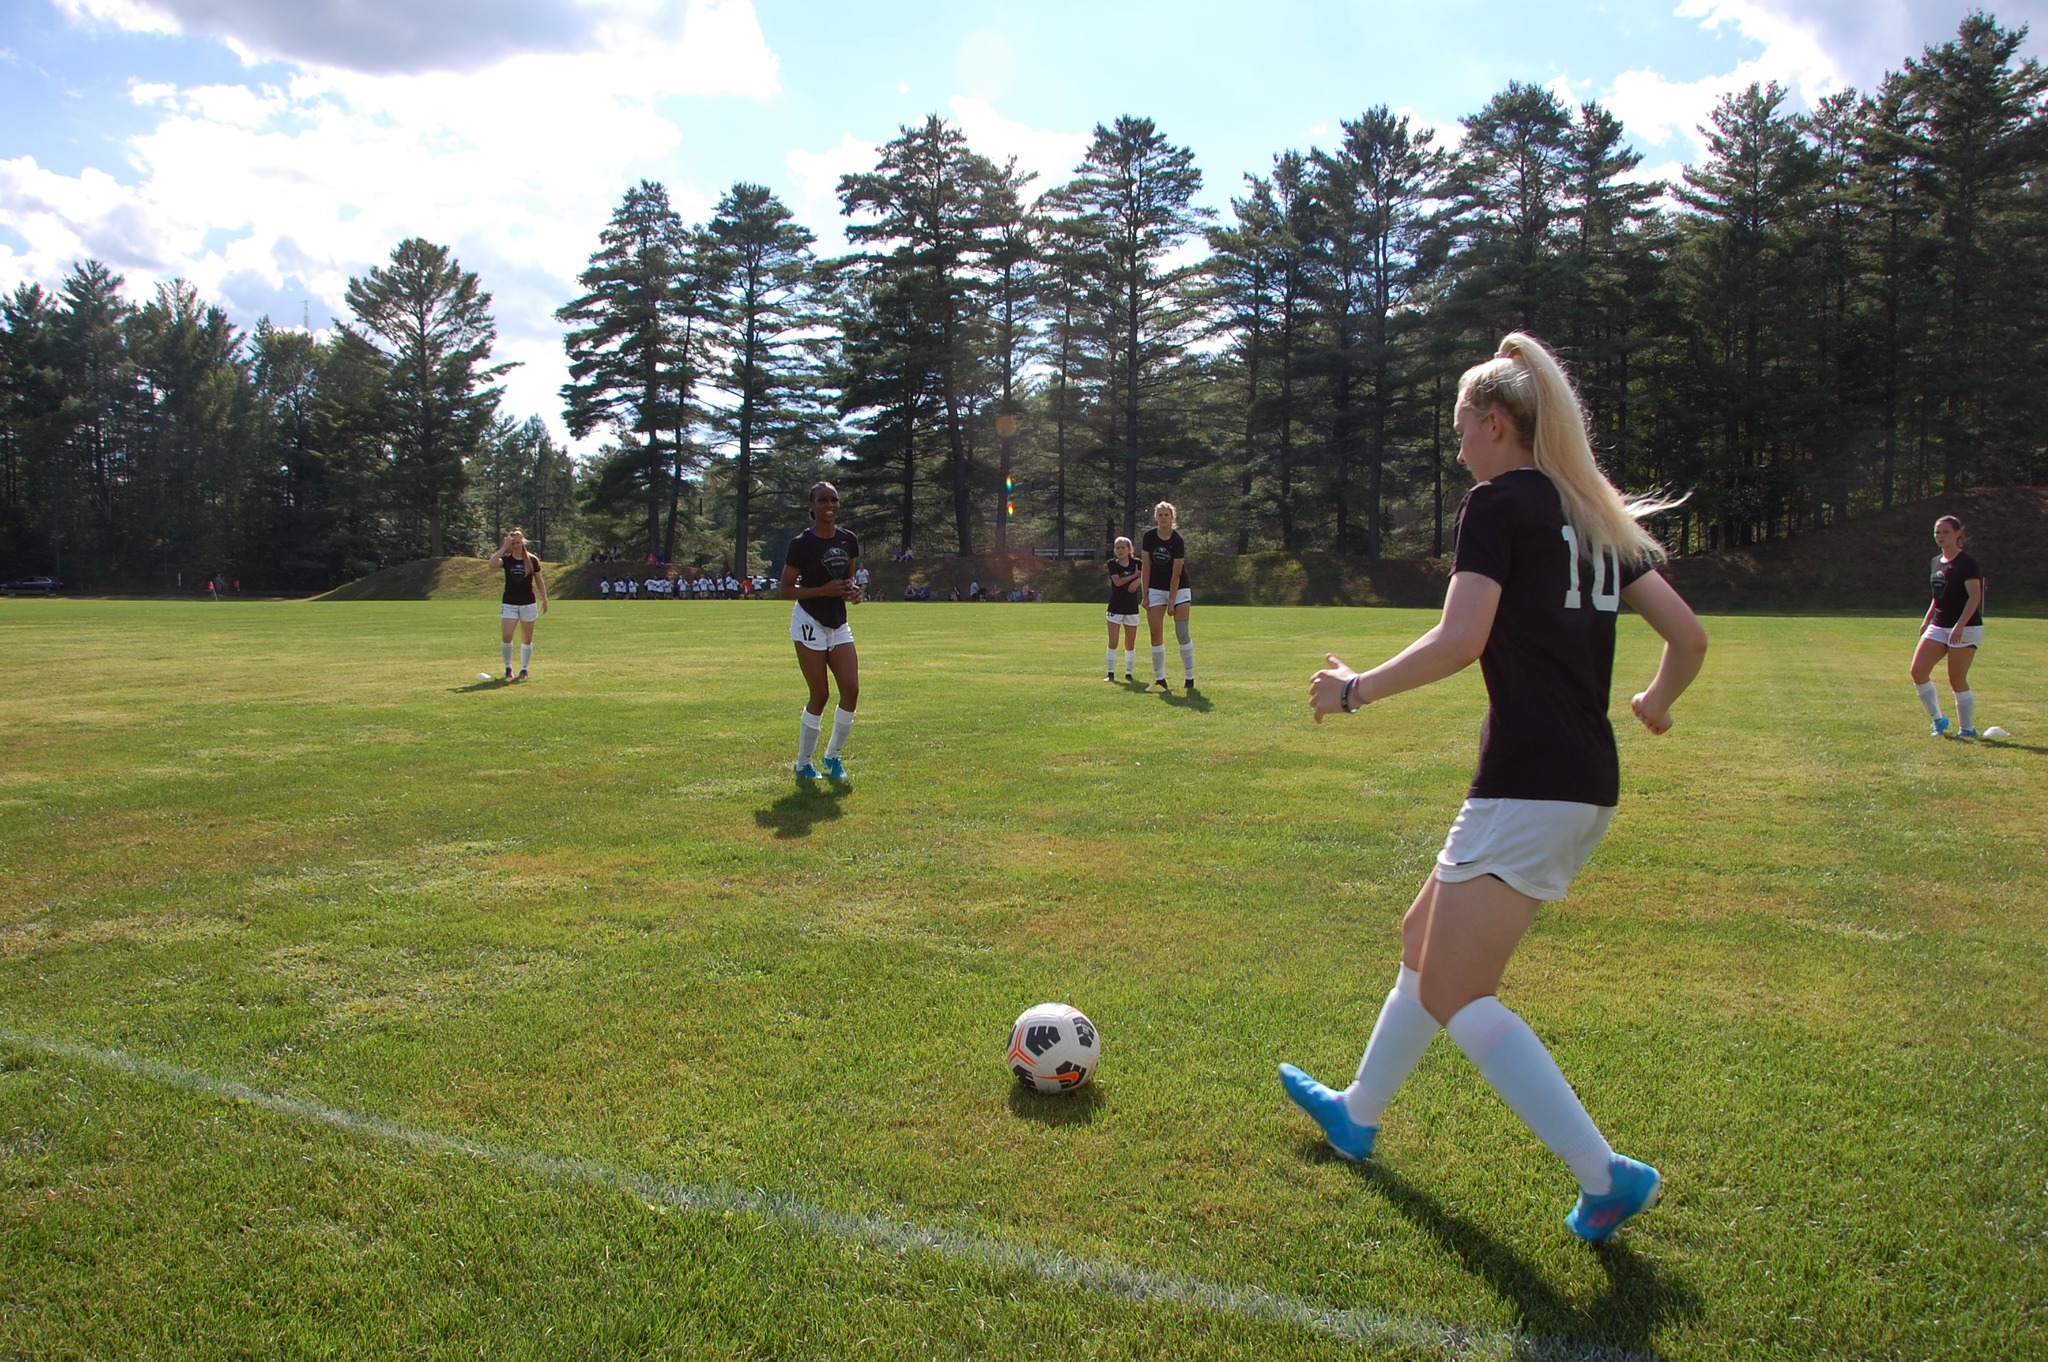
[385,36]
[1049,154]
[266,194]
[1657,109]
[817,181]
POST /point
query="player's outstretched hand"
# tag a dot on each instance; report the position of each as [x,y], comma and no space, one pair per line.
[1656,720]
[1326,687]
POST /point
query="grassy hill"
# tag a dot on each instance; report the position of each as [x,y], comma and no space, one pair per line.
[425,579]
[1878,563]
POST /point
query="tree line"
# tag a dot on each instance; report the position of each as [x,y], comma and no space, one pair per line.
[1829,313]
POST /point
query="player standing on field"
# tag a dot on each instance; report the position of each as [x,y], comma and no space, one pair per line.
[1167,590]
[1954,626]
[817,574]
[525,599]
[1547,550]
[1124,574]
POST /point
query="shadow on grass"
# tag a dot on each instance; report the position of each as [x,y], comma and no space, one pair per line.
[796,813]
[1055,1109]
[482,683]
[1194,700]
[1640,1298]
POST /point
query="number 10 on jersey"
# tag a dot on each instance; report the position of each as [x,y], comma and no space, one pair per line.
[1606,577]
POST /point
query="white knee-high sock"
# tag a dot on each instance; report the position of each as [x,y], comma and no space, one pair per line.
[1929,698]
[1521,1070]
[1131,659]
[807,736]
[507,651]
[1109,660]
[1187,661]
[525,655]
[1399,1038]
[1158,662]
[842,724]
[1966,709]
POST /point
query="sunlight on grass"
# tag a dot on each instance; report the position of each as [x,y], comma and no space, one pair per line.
[299,847]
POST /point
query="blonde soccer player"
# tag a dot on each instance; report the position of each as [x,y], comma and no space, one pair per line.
[524,601]
[1547,551]
[1168,591]
[818,574]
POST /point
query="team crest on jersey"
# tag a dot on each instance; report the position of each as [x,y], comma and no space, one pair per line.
[836,561]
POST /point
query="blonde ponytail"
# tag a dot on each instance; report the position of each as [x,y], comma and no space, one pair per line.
[1526,383]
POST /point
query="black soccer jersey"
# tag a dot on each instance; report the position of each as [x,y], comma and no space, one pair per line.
[1951,583]
[1161,553]
[1549,661]
[519,578]
[818,561]
[1123,600]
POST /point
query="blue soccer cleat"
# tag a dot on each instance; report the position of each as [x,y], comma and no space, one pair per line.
[834,768]
[1326,1107]
[1940,727]
[1637,1186]
[1966,733]
[508,673]
[806,771]
[522,673]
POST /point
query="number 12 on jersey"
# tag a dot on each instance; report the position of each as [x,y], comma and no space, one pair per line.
[1606,577]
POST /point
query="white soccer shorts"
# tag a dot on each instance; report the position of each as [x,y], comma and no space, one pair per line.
[808,633]
[1534,846]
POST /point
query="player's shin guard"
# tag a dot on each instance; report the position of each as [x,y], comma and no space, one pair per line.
[842,724]
[1158,662]
[1520,1069]
[1109,660]
[506,649]
[1929,700]
[1399,1038]
[525,655]
[1966,710]
[1187,661]
[807,737]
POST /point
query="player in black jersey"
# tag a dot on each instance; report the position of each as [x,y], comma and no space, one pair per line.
[817,573]
[525,599]
[1547,551]
[1125,572]
[1167,590]
[1953,627]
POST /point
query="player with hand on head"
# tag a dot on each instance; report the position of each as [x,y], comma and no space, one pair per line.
[1125,572]
[525,599]
[1547,550]
[1953,627]
[1167,592]
[818,574]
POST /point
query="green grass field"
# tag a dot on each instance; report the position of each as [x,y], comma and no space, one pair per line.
[350,1008]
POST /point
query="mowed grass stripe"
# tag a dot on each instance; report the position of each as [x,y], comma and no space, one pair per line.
[1052,1269]
[592,917]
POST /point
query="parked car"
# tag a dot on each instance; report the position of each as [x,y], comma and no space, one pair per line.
[31,586]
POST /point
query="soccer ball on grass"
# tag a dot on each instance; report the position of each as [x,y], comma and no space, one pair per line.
[1053,1048]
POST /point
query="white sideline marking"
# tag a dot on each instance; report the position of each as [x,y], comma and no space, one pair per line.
[1051,1268]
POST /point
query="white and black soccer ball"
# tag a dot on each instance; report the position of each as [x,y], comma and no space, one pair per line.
[1053,1048]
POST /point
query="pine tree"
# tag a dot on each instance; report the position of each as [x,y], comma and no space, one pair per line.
[762,306]
[927,211]
[431,320]
[1134,196]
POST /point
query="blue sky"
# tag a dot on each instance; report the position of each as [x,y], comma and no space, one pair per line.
[267,151]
